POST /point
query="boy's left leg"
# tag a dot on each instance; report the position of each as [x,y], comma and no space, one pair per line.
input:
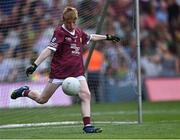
[85,97]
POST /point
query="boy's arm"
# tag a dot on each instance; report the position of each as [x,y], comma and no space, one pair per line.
[44,54]
[97,37]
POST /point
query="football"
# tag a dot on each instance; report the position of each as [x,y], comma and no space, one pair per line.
[71,86]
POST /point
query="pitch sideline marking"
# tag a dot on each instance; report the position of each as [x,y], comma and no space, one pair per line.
[78,122]
[61,123]
[128,112]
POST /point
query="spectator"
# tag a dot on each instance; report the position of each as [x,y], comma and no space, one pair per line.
[44,37]
[168,61]
[88,10]
[161,13]
[20,64]
[3,46]
[7,71]
[13,38]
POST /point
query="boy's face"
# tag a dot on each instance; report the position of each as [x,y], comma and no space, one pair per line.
[70,24]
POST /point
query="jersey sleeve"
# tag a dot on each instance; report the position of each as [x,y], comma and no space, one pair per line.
[57,38]
[85,38]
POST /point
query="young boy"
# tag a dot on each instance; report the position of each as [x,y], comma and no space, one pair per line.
[67,61]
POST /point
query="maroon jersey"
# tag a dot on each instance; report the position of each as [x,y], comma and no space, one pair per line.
[67,59]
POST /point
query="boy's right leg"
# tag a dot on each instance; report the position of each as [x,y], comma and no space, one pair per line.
[42,98]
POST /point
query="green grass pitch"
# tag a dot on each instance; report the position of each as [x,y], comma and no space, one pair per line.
[160,120]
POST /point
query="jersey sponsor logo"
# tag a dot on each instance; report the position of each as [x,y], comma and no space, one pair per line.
[76,50]
[68,39]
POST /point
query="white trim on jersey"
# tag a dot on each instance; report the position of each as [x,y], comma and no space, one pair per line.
[51,48]
[89,39]
[72,33]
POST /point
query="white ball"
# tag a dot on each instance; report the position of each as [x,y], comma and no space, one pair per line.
[71,86]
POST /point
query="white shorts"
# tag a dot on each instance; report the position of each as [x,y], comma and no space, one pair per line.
[59,81]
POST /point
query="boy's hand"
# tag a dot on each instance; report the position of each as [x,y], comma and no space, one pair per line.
[113,38]
[31,69]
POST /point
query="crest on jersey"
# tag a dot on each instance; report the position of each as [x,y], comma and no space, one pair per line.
[68,39]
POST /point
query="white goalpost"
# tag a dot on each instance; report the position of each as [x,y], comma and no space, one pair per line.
[140,119]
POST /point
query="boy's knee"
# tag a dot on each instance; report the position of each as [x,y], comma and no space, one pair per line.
[42,101]
[85,96]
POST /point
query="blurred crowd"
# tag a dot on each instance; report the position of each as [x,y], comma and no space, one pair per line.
[26,27]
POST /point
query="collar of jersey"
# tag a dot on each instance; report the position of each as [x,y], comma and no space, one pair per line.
[72,33]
